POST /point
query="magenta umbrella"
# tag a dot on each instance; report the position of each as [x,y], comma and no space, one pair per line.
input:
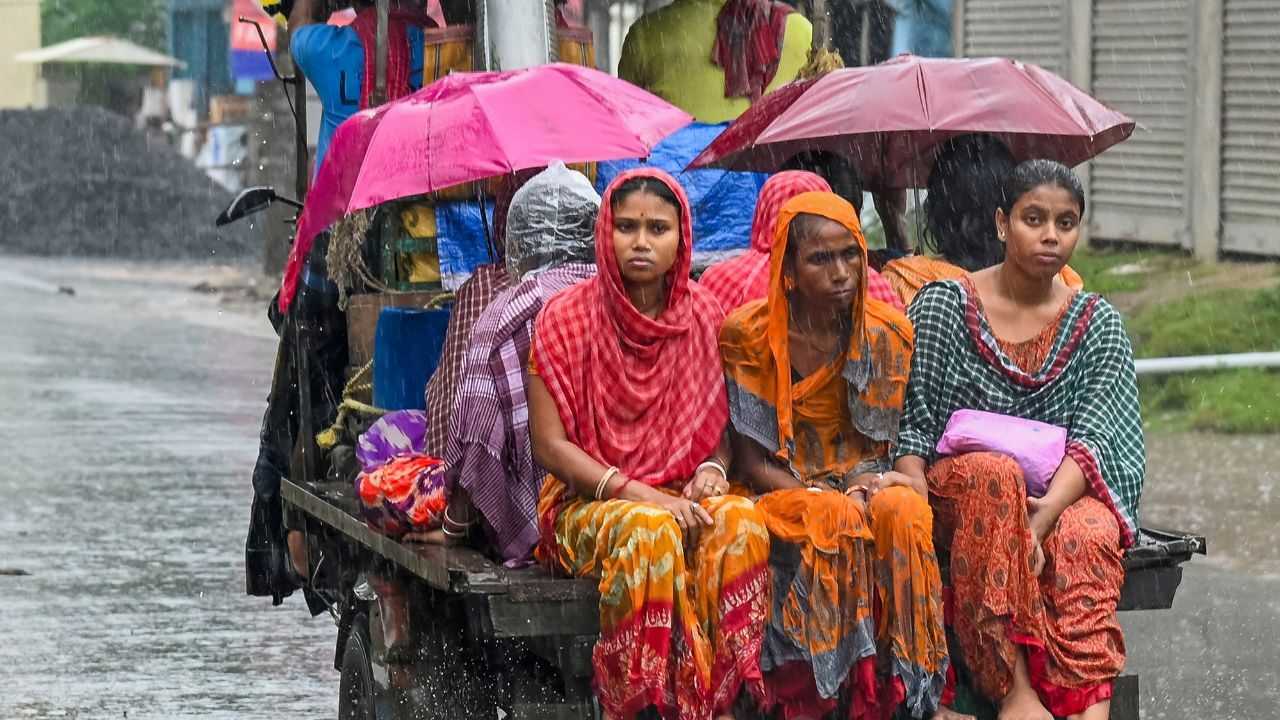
[472,126]
[891,118]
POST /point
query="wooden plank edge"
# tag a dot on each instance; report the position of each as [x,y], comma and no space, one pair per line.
[425,563]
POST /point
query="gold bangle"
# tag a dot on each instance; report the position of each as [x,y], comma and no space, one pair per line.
[604,480]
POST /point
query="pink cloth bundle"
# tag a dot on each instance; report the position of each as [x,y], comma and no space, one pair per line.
[1038,447]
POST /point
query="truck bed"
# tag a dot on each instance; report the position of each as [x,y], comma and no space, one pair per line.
[530,602]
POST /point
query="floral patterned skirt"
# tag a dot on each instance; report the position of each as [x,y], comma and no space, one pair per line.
[680,628]
[1065,619]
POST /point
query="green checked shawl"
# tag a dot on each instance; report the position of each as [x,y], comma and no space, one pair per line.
[1087,385]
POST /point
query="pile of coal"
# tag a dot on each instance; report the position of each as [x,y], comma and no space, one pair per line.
[84,182]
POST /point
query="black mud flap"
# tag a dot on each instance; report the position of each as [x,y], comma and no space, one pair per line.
[1153,568]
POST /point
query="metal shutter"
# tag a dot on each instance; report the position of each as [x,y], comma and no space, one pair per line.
[1251,126]
[1033,31]
[1142,67]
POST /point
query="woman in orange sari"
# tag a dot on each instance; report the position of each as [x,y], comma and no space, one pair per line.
[627,414]
[966,185]
[816,376]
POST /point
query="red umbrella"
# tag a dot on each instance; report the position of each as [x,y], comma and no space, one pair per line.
[472,126]
[889,119]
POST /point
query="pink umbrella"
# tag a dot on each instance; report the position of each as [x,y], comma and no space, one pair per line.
[889,119]
[472,126]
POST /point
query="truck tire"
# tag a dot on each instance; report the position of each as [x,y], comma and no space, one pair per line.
[356,700]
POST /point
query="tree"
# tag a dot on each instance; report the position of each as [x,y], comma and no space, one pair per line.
[139,21]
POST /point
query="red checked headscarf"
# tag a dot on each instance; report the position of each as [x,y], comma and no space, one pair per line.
[738,280]
[642,394]
[748,45]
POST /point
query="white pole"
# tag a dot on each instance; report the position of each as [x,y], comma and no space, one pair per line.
[1157,366]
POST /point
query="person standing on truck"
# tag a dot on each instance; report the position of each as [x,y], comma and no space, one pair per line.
[816,376]
[339,61]
[739,280]
[627,412]
[1036,580]
[713,58]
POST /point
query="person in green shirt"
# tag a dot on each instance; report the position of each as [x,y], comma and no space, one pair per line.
[713,58]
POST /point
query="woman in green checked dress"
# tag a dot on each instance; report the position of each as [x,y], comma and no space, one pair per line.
[1035,580]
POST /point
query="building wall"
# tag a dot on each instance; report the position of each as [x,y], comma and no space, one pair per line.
[200,37]
[1201,79]
[19,32]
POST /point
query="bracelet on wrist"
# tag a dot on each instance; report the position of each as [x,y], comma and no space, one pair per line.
[447,521]
[604,481]
[714,463]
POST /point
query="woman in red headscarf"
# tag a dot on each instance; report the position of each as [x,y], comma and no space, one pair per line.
[737,281]
[628,413]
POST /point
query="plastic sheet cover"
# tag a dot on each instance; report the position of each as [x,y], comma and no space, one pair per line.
[551,222]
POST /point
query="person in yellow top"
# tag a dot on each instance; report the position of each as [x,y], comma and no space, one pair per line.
[713,58]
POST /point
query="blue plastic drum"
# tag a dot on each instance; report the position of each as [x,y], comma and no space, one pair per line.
[406,351]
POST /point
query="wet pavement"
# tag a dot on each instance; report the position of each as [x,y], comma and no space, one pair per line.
[128,427]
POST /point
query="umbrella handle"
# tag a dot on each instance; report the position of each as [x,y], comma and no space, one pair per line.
[488,234]
[915,192]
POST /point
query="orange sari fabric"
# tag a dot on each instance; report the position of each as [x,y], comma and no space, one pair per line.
[909,274]
[680,628]
[844,414]
[1065,619]
[856,607]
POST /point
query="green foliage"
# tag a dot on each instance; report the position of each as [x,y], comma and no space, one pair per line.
[139,21]
[115,87]
[1099,268]
[1232,401]
[1223,321]
[1095,266]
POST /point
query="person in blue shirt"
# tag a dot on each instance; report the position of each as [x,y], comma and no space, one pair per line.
[339,60]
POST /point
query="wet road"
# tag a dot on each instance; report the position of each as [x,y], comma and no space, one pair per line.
[130,412]
[128,429]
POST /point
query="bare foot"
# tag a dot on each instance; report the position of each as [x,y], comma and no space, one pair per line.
[1022,704]
[945,713]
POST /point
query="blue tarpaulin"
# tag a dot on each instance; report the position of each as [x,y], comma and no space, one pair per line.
[723,204]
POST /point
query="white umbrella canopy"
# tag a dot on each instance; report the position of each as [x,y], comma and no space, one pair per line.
[98,49]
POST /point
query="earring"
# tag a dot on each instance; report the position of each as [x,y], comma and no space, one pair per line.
[788,284]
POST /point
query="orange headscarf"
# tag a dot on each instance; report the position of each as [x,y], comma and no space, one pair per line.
[864,389]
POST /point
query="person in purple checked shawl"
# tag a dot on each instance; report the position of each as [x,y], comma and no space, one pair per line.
[490,473]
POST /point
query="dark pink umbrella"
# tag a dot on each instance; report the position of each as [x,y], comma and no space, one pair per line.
[889,119]
[472,126]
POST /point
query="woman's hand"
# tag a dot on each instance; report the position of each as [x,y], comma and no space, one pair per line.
[1042,516]
[884,481]
[691,516]
[707,482]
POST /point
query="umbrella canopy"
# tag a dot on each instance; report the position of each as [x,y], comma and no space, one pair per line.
[99,49]
[891,118]
[472,126]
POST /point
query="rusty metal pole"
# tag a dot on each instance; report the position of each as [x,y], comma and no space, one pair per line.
[821,25]
[301,153]
[380,56]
